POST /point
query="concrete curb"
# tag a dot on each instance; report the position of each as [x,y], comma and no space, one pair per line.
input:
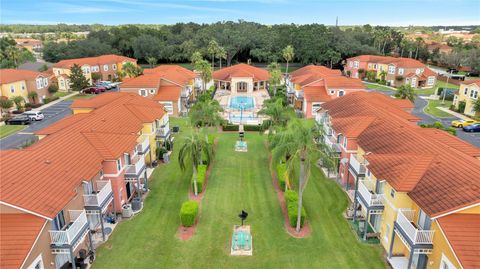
[55,102]
[453,113]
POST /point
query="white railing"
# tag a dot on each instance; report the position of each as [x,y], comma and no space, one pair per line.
[416,234]
[163,131]
[356,165]
[143,146]
[365,189]
[99,198]
[136,167]
[186,92]
[78,223]
[299,94]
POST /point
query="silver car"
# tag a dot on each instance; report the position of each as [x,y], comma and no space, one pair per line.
[34,115]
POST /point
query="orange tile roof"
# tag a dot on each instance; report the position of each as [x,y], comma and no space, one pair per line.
[316,94]
[57,164]
[352,127]
[404,103]
[331,78]
[241,70]
[463,234]
[168,93]
[13,75]
[451,141]
[18,233]
[143,81]
[103,59]
[392,140]
[151,77]
[470,82]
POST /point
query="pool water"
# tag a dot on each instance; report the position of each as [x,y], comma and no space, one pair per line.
[241,240]
[241,102]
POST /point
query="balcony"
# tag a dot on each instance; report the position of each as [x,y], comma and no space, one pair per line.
[163,132]
[334,146]
[415,234]
[135,169]
[299,94]
[356,166]
[144,146]
[73,232]
[186,92]
[368,196]
[101,198]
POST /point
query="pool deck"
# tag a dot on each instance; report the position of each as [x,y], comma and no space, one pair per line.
[223,97]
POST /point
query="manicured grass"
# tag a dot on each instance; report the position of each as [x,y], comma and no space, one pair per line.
[6,130]
[62,94]
[238,181]
[377,87]
[432,109]
[81,96]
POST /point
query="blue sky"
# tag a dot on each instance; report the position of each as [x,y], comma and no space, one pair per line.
[112,12]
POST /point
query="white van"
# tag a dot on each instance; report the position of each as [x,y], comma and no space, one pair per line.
[34,115]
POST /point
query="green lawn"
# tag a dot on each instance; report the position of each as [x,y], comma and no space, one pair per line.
[81,96]
[432,109]
[238,181]
[6,130]
[377,87]
[62,94]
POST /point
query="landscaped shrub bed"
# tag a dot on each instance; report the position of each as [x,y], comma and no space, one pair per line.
[230,127]
[246,128]
[291,200]
[188,213]
[201,171]
[282,175]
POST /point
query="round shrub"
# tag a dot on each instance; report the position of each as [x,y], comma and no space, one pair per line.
[188,213]
[293,213]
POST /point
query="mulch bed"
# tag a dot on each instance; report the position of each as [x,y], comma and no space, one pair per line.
[185,233]
[305,230]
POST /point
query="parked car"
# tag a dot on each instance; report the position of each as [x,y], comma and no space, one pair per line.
[104,84]
[463,123]
[102,89]
[472,128]
[35,115]
[452,70]
[19,120]
[473,74]
[92,90]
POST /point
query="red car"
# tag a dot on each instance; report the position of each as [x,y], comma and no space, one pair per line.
[102,89]
[94,90]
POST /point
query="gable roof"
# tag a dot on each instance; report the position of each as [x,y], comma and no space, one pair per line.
[463,233]
[98,60]
[18,233]
[316,94]
[331,78]
[241,70]
[14,75]
[168,93]
[152,77]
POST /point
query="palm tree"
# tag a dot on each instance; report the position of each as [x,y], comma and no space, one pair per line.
[406,91]
[476,106]
[213,49]
[418,42]
[383,75]
[5,104]
[205,72]
[297,142]
[193,148]
[18,100]
[196,56]
[275,76]
[13,54]
[32,96]
[288,54]
[222,54]
[279,114]
[205,112]
[152,61]
[131,70]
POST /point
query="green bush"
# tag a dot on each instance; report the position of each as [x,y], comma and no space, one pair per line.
[211,139]
[281,174]
[291,199]
[255,128]
[188,213]
[451,130]
[230,127]
[50,99]
[201,171]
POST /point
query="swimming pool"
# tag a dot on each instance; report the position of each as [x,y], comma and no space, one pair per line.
[242,102]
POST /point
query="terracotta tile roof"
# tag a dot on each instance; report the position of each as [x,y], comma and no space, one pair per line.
[64,123]
[404,103]
[316,94]
[241,70]
[103,59]
[352,127]
[28,41]
[451,141]
[397,61]
[142,81]
[331,78]
[463,234]
[447,183]
[52,169]
[470,82]
[18,232]
[151,78]
[14,75]
[168,93]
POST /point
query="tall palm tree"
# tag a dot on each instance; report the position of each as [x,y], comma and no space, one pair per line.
[277,111]
[205,72]
[33,96]
[213,49]
[288,54]
[131,70]
[222,55]
[297,142]
[275,76]
[406,91]
[194,147]
[205,112]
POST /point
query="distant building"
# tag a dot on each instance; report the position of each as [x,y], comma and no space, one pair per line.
[17,82]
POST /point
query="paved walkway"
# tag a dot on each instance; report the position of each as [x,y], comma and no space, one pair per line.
[458,115]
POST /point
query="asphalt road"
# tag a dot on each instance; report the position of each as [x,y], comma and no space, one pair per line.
[52,115]
[420,103]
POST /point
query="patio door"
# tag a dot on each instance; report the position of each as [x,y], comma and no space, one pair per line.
[59,221]
[420,261]
[87,187]
[128,160]
[424,221]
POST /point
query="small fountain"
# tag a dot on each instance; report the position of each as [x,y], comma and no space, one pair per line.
[242,238]
[241,145]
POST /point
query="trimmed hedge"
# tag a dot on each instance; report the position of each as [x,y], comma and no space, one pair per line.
[282,175]
[230,127]
[201,171]
[246,128]
[211,139]
[291,199]
[188,213]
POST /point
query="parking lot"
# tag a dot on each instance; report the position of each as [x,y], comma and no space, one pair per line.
[52,114]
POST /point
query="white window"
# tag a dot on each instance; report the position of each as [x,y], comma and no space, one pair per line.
[418,71]
[315,107]
[350,64]
[375,66]
[95,68]
[12,88]
[391,69]
[332,92]
[400,71]
[152,91]
[414,82]
[119,165]
[341,93]
[392,193]
[37,263]
[114,66]
[168,106]
[39,83]
[474,94]
[431,81]
[45,82]
[465,92]
[105,67]
[387,233]
[356,64]
[23,86]
[345,143]
[369,66]
[446,263]
[86,69]
[62,83]
[142,92]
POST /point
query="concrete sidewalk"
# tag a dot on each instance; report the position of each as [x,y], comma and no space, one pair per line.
[55,102]
[453,113]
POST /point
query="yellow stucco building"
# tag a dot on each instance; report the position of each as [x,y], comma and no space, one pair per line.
[466,97]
